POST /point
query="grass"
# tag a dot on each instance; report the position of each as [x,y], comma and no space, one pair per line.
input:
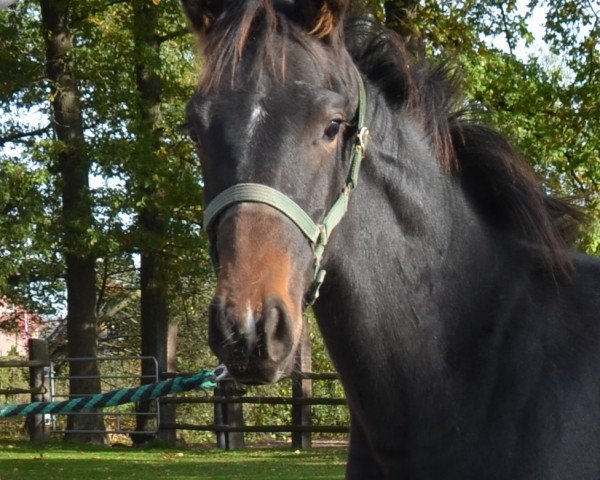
[61,461]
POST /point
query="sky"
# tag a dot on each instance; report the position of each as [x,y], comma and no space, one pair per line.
[536,24]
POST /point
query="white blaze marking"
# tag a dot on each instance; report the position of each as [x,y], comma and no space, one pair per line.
[256,116]
[249,327]
[249,317]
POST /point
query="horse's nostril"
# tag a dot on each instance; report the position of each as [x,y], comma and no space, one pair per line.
[278,331]
[230,332]
[219,330]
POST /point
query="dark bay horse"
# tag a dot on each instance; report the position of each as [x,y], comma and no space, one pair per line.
[466,334]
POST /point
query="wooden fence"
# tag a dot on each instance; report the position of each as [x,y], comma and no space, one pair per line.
[229,425]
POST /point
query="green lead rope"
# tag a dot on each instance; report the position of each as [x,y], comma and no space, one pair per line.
[204,379]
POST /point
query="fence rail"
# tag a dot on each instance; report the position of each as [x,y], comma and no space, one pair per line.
[257,400]
[23,391]
[24,363]
[261,428]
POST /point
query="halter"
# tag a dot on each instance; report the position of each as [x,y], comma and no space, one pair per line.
[317,234]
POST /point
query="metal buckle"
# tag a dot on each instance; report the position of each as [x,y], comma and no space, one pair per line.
[221,373]
[363,138]
[315,286]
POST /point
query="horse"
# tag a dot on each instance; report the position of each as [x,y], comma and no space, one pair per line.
[339,171]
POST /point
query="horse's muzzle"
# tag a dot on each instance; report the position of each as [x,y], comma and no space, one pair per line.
[256,346]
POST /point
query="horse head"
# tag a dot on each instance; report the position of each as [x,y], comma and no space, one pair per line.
[276,109]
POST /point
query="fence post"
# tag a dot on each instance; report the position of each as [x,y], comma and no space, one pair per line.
[229,414]
[36,425]
[302,388]
[167,411]
[219,419]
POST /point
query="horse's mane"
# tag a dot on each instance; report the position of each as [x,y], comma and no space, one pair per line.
[502,184]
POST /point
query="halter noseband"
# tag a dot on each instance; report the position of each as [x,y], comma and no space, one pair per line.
[317,234]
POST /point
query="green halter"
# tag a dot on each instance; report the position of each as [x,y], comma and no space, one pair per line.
[317,234]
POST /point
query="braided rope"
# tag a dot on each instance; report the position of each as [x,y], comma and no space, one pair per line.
[204,379]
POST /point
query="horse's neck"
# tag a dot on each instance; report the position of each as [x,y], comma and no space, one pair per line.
[418,224]
[412,261]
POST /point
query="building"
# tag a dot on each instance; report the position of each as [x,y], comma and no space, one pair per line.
[17,326]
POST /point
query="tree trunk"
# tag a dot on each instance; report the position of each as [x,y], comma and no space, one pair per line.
[158,334]
[73,167]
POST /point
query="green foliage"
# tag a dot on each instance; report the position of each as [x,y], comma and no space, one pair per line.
[31,269]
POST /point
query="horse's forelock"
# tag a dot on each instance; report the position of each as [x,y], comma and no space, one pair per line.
[223,45]
[257,22]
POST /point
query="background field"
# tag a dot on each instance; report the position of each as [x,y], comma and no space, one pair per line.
[59,461]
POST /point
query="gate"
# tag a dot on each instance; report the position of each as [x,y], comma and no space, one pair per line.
[113,376]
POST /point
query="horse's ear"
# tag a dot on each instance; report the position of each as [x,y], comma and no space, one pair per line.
[203,13]
[324,16]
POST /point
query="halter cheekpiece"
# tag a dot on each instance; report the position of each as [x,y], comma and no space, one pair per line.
[317,233]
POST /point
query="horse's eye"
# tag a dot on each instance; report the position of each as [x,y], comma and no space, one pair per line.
[332,129]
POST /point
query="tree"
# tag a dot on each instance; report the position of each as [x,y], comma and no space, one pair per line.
[73,166]
[158,333]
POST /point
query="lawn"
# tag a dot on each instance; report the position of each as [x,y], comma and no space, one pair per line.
[59,461]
